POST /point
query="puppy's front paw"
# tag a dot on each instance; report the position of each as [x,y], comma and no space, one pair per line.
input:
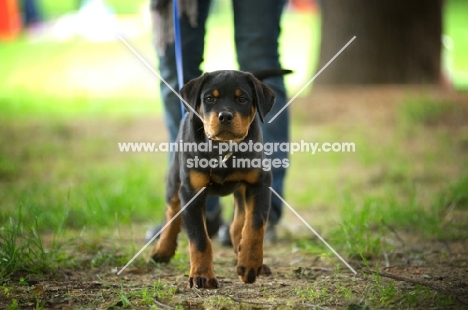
[202,282]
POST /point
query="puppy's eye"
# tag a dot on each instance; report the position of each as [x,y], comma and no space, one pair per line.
[242,99]
[209,99]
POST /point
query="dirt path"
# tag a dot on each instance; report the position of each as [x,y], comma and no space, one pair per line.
[300,280]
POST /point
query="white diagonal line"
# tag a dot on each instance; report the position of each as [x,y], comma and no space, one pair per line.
[159,232]
[159,77]
[313,230]
[311,80]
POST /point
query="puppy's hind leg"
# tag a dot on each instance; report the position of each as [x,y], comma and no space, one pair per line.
[167,244]
[235,229]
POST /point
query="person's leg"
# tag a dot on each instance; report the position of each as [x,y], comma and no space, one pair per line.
[257,29]
[193,41]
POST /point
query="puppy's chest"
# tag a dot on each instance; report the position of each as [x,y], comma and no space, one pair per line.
[231,168]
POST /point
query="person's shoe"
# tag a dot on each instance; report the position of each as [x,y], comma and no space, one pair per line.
[213,223]
[223,235]
[150,233]
[270,233]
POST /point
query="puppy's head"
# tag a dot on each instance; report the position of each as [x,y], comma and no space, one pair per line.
[228,101]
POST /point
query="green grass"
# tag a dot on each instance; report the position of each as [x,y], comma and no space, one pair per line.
[378,293]
[53,9]
[76,187]
[76,78]
[456,26]
[376,225]
[400,183]
[144,297]
[23,250]
[424,111]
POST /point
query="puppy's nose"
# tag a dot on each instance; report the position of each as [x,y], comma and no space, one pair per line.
[225,117]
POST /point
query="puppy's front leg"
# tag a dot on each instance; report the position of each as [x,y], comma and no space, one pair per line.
[201,254]
[250,248]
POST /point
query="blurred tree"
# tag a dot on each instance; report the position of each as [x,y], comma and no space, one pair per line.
[397,41]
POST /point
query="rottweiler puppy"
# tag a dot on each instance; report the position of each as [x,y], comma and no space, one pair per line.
[230,106]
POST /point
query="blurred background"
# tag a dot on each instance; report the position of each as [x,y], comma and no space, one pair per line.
[70,50]
[70,90]
[54,50]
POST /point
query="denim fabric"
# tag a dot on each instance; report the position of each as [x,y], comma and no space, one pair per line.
[257,29]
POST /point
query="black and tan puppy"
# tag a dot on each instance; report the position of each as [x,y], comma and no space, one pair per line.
[231,104]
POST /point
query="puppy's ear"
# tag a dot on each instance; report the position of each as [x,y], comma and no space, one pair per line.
[191,92]
[264,97]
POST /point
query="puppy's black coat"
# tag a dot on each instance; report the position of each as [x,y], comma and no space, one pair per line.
[231,105]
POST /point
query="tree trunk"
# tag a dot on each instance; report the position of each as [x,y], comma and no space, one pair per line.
[397,41]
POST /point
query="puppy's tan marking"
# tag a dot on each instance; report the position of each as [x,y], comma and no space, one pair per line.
[201,267]
[198,180]
[237,130]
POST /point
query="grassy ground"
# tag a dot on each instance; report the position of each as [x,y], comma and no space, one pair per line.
[74,209]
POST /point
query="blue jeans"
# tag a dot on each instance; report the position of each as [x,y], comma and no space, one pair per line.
[257,29]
